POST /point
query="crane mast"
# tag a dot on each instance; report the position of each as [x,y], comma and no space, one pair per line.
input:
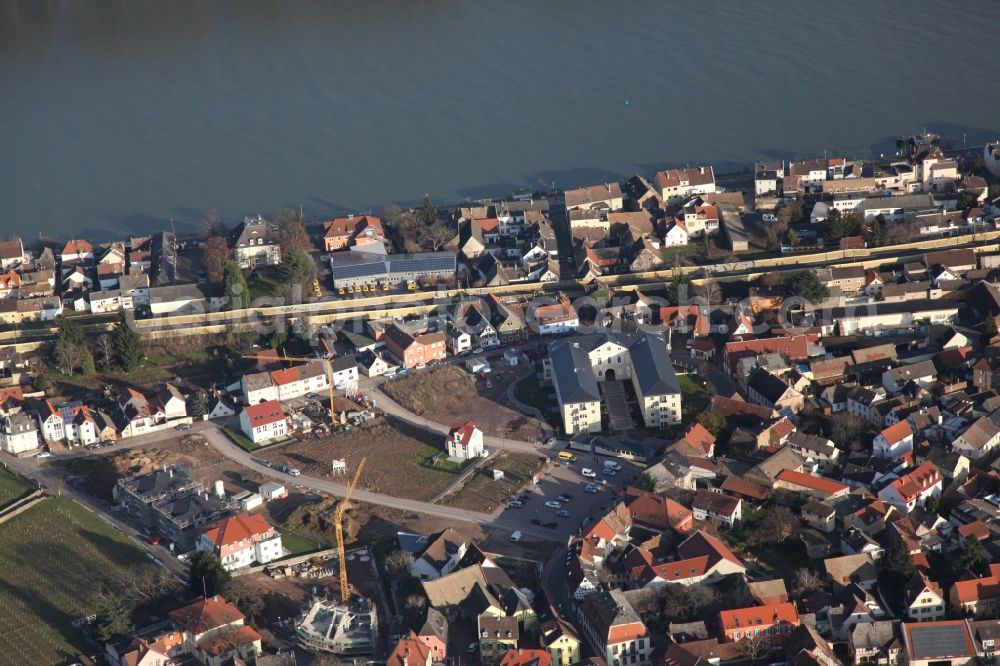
[345,587]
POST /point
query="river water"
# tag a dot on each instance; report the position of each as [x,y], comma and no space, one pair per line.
[117,116]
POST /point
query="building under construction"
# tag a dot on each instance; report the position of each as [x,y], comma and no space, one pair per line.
[345,629]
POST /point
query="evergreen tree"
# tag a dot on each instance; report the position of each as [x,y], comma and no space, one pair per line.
[680,290]
[972,555]
[197,404]
[297,267]
[87,367]
[113,620]
[128,345]
[237,291]
[429,212]
[69,347]
[898,562]
[805,284]
[207,575]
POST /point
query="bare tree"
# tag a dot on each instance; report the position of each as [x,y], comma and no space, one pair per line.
[709,290]
[753,647]
[804,581]
[292,234]
[215,253]
[105,348]
[211,224]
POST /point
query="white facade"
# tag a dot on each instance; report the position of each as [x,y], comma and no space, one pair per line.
[466,442]
[18,434]
[265,431]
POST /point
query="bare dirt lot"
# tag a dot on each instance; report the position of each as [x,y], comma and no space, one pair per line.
[97,474]
[449,393]
[481,493]
[400,458]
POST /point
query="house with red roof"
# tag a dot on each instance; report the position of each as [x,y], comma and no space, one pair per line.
[410,651]
[411,349]
[700,557]
[658,513]
[693,319]
[264,421]
[677,184]
[215,631]
[77,251]
[912,489]
[977,597]
[614,629]
[894,441]
[923,598]
[465,441]
[773,623]
[526,657]
[810,484]
[239,541]
[342,232]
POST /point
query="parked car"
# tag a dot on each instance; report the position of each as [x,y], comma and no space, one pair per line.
[516,536]
[182,426]
[562,513]
[525,497]
[43,454]
[515,504]
[472,646]
[536,521]
[551,524]
[565,497]
[589,473]
[294,471]
[153,540]
[590,488]
[552,504]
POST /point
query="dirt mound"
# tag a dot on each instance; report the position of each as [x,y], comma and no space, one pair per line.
[315,520]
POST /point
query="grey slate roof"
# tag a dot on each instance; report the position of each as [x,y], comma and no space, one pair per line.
[572,374]
[651,366]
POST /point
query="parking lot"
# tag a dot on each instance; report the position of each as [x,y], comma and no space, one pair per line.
[584,507]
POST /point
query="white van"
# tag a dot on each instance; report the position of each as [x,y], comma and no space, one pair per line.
[589,473]
[516,536]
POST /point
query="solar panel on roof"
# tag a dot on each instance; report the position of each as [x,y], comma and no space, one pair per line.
[358,270]
[940,641]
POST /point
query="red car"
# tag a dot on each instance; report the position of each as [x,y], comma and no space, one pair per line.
[153,540]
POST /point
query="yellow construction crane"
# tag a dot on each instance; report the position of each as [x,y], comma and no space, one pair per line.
[345,587]
[326,365]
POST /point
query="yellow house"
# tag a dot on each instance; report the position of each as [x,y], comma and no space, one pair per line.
[561,642]
[496,636]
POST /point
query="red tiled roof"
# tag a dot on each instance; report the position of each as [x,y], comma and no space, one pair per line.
[265,413]
[810,481]
[911,485]
[230,531]
[897,432]
[410,651]
[206,614]
[738,619]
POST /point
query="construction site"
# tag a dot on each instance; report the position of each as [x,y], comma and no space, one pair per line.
[348,625]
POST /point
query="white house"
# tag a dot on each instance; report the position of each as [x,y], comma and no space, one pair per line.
[50,418]
[218,408]
[677,235]
[258,387]
[373,364]
[912,489]
[299,380]
[440,556]
[894,441]
[18,433]
[264,421]
[465,441]
[978,440]
[239,541]
[109,301]
[923,373]
[81,428]
[344,371]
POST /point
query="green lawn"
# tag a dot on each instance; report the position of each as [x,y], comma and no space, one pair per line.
[296,544]
[13,487]
[53,557]
[694,397]
[242,440]
[261,286]
[542,398]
